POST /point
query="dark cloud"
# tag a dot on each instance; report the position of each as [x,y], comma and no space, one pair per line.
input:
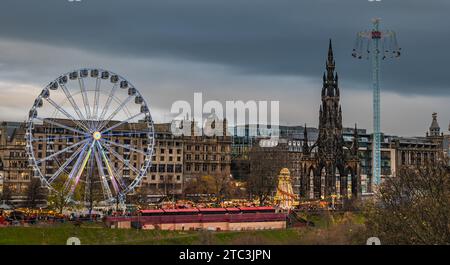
[267,37]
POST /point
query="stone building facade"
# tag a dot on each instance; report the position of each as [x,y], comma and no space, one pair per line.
[176,159]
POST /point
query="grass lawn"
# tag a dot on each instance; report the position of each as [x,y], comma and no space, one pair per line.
[92,234]
[97,234]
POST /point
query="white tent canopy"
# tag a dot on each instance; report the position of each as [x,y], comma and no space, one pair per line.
[4,206]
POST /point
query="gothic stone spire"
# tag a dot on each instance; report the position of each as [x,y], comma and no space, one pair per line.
[330,114]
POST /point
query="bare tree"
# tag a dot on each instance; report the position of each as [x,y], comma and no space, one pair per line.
[140,195]
[217,185]
[265,166]
[35,193]
[6,194]
[201,185]
[413,207]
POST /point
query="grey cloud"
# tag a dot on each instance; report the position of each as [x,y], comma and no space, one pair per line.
[246,49]
[264,37]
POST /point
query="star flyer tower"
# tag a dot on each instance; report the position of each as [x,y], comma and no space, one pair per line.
[375,44]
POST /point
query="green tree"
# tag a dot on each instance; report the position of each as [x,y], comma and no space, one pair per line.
[57,198]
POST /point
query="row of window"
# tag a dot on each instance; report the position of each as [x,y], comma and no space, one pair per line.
[206,148]
[170,151]
[204,167]
[164,178]
[205,157]
[166,168]
[162,158]
[17,154]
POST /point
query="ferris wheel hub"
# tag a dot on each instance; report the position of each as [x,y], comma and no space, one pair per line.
[97,136]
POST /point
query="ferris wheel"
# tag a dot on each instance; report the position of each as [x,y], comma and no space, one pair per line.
[90,136]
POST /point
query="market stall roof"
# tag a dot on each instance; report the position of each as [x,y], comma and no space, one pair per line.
[4,206]
[153,211]
[212,209]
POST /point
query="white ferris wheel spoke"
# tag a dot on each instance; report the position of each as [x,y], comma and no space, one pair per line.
[96,98]
[63,111]
[56,138]
[110,117]
[121,158]
[87,107]
[122,122]
[80,171]
[73,103]
[101,173]
[108,168]
[127,133]
[117,176]
[61,125]
[65,164]
[75,168]
[124,146]
[108,102]
[61,151]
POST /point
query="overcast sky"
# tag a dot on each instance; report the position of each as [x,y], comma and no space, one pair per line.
[230,50]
